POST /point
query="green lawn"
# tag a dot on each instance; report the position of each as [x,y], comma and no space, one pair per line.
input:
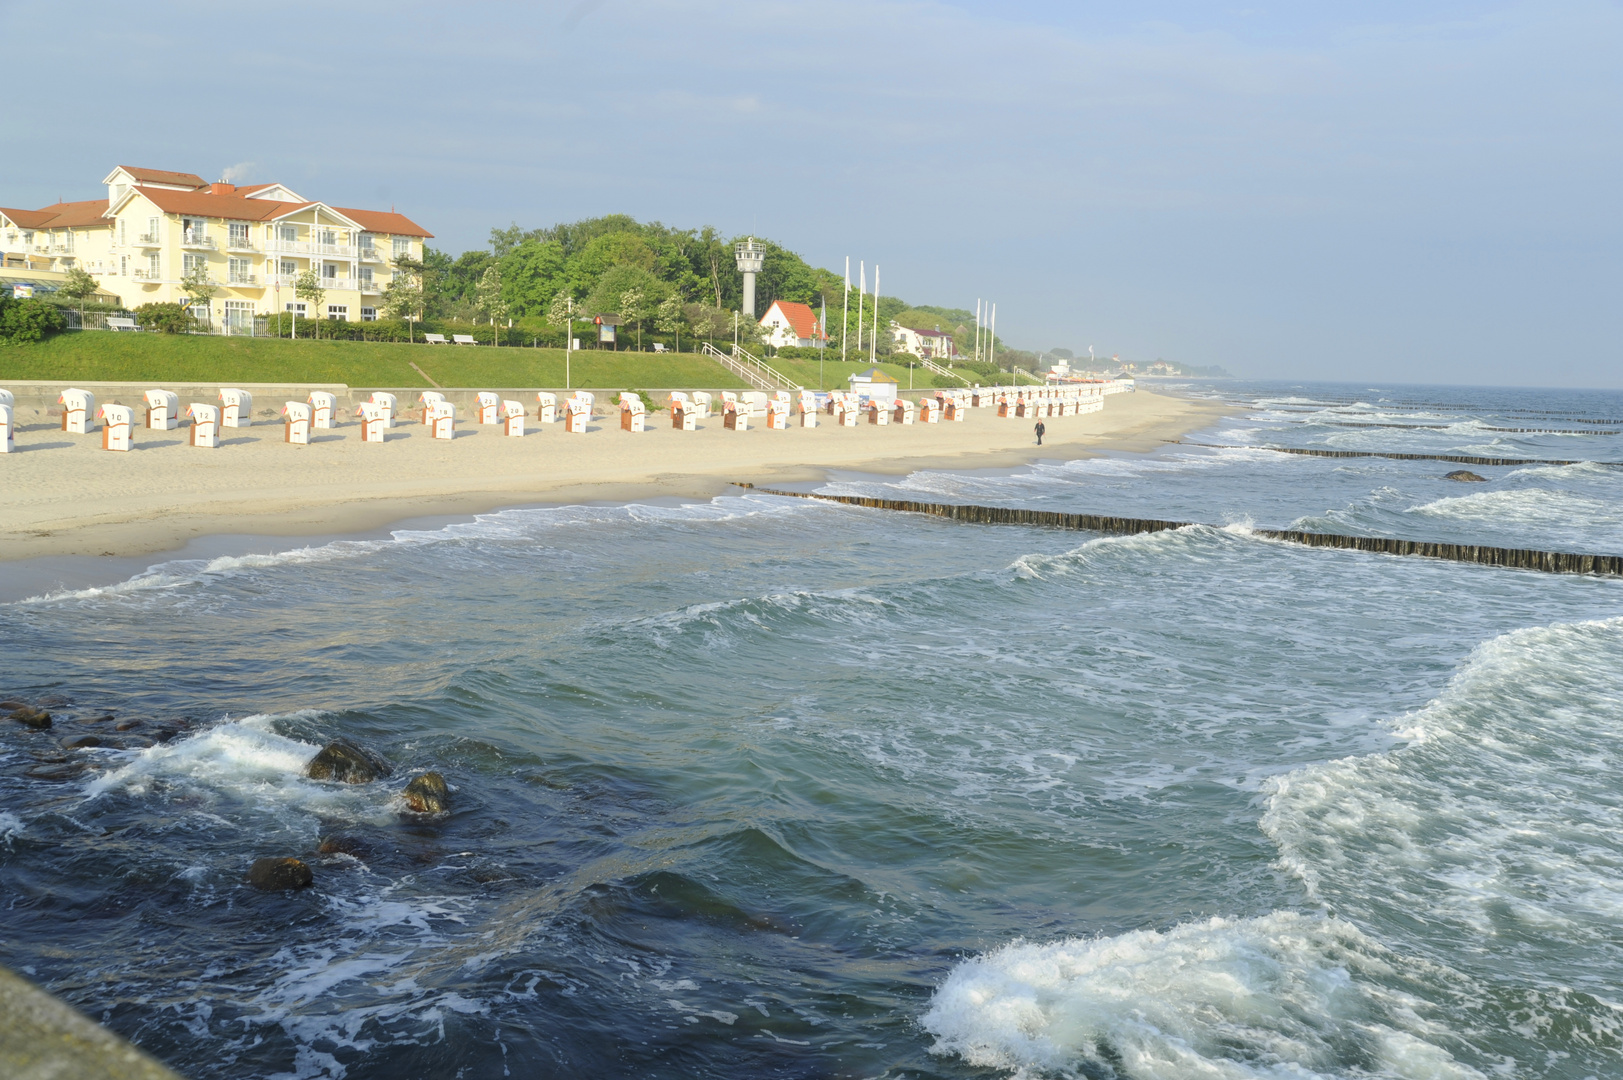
[99,355]
[102,356]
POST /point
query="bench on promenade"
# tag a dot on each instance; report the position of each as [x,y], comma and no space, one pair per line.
[463,339]
[435,339]
[115,323]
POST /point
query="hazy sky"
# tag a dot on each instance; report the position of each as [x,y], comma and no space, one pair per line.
[1381,191]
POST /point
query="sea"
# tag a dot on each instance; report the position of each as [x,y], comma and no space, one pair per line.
[761,786]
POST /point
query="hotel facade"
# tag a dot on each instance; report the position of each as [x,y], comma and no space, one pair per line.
[253,241]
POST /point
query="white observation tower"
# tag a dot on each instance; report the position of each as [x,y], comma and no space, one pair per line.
[750,257]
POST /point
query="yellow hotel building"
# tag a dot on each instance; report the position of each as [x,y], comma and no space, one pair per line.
[156,227]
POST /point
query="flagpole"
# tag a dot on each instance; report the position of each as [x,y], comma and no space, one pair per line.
[977,330]
[862,292]
[873,344]
[845,313]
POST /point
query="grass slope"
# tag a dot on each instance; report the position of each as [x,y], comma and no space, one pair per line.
[158,358]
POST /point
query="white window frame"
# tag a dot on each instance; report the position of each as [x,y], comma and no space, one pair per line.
[296,307]
[369,314]
[338,313]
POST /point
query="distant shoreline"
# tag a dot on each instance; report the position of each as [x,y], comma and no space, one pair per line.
[64,496]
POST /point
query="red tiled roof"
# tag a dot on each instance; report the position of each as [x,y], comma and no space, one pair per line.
[384,221]
[161,176]
[206,204]
[26,219]
[800,317]
[76,215]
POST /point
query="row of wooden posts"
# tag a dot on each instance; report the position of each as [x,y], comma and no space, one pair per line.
[1555,562]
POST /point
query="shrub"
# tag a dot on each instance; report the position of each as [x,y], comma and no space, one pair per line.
[169,318]
[28,320]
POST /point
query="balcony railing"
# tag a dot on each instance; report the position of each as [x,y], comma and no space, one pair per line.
[241,279]
[241,243]
[369,285]
[370,253]
[192,239]
[307,247]
[148,239]
[147,275]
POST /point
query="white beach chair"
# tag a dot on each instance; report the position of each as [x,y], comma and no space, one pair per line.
[323,410]
[879,413]
[463,339]
[385,403]
[78,411]
[735,414]
[777,412]
[755,401]
[808,409]
[296,422]
[8,431]
[435,339]
[205,424]
[8,398]
[578,414]
[702,404]
[903,413]
[428,399]
[929,411]
[513,419]
[849,410]
[238,408]
[117,422]
[163,410]
[682,418]
[633,413]
[441,420]
[374,421]
[489,408]
[546,407]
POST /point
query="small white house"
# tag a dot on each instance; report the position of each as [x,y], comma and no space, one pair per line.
[789,323]
[928,344]
[875,385]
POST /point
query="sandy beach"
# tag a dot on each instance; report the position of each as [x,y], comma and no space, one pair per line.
[62,495]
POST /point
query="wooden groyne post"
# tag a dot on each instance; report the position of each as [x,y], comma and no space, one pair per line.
[1550,562]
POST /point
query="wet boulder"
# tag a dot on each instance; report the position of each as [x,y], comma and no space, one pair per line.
[345,845]
[274,875]
[1466,476]
[81,743]
[427,794]
[38,719]
[347,763]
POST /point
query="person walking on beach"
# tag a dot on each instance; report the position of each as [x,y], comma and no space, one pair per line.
[1040,430]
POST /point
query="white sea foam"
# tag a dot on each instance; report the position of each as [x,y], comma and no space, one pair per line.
[1522,506]
[1283,995]
[11,826]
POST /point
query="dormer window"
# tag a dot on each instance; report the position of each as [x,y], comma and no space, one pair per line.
[119,190]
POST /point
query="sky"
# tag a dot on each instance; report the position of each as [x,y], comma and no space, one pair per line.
[1414,192]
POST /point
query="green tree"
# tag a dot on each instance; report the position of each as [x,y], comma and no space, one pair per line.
[669,317]
[403,296]
[307,287]
[488,298]
[532,273]
[163,318]
[79,286]
[27,320]
[198,288]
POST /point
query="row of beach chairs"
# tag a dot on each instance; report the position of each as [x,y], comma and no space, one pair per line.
[775,411]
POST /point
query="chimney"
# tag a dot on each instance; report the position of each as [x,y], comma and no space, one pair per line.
[222,188]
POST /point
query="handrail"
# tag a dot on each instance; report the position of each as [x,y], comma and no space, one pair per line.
[932,366]
[759,375]
[767,370]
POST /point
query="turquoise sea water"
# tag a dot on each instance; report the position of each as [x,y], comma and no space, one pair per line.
[766,787]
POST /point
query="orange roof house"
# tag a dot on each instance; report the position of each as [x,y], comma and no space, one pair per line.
[791,323]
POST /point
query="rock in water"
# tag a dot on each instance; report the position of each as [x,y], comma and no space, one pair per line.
[342,760]
[37,719]
[427,794]
[1466,476]
[273,875]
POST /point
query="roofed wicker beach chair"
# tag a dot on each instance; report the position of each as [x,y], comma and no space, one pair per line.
[163,410]
[205,424]
[237,408]
[78,410]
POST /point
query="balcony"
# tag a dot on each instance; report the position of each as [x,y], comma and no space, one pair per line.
[369,285]
[148,239]
[147,275]
[190,239]
[242,279]
[241,243]
[370,254]
[307,247]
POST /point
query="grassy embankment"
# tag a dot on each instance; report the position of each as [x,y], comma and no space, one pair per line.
[158,358]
